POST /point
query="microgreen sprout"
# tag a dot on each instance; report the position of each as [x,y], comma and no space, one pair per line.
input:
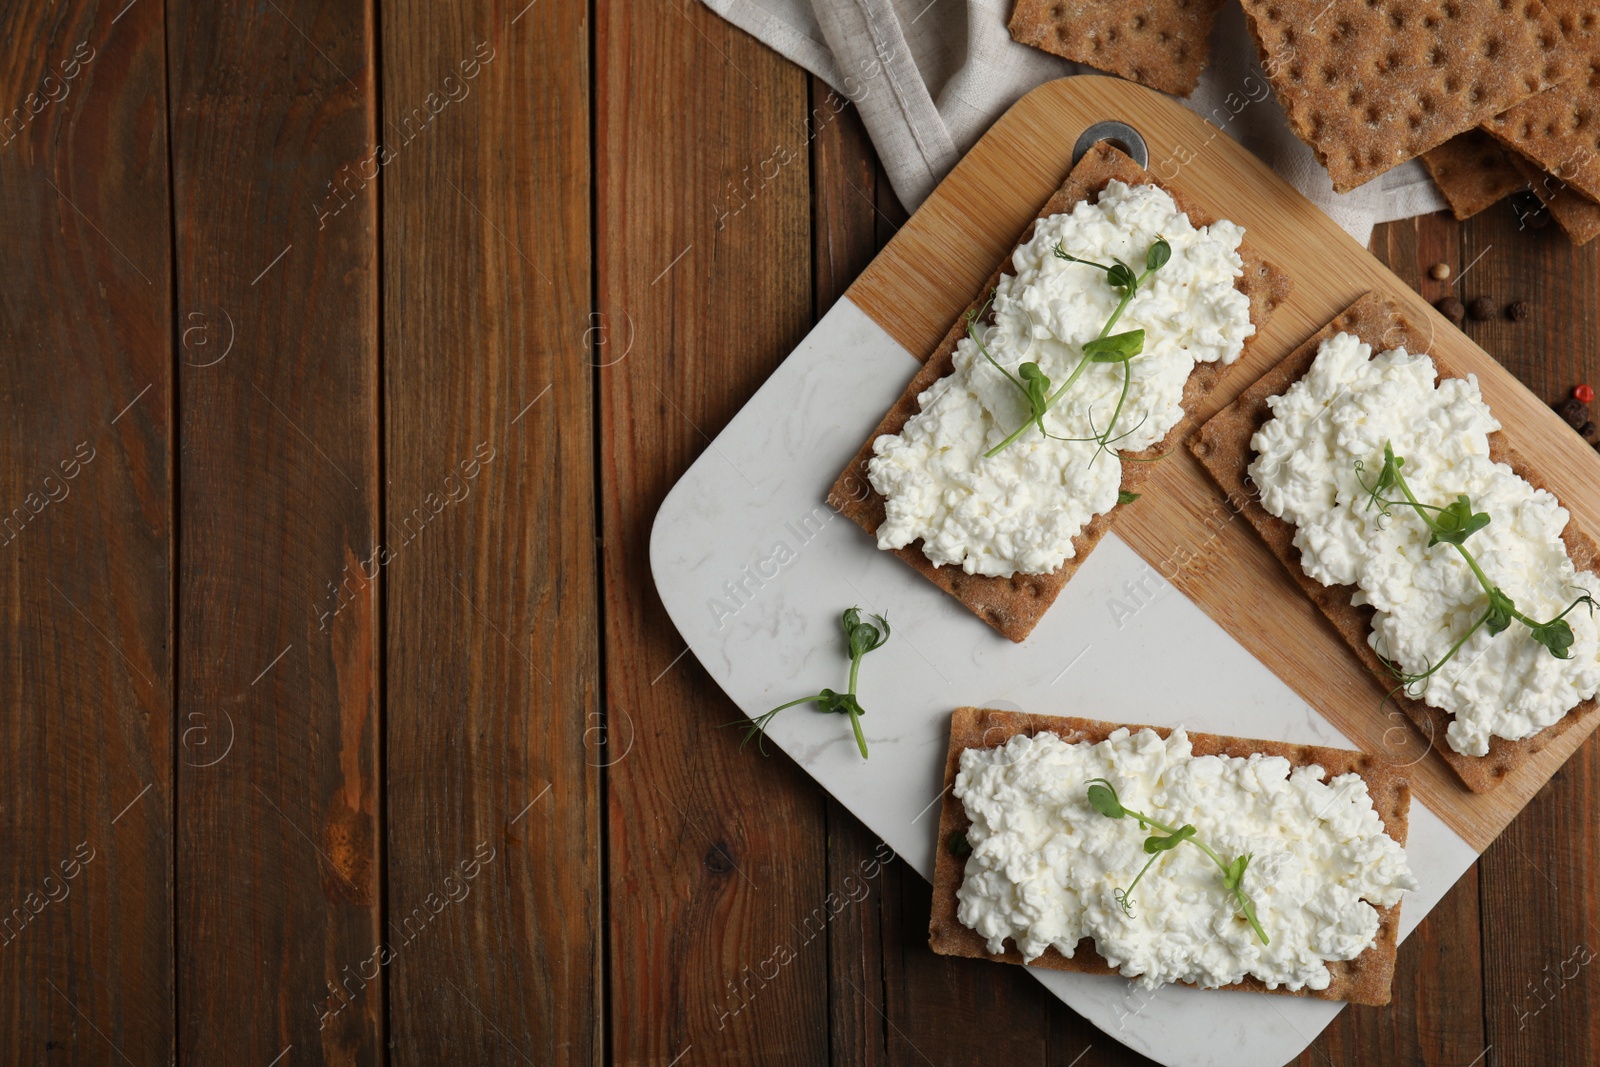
[1452,524]
[860,638]
[1107,347]
[1103,798]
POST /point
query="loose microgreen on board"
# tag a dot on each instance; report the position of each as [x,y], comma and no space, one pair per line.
[1452,525]
[1107,347]
[860,637]
[1103,798]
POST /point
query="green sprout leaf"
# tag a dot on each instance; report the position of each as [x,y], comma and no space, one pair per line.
[1104,348]
[1125,497]
[1556,636]
[1157,843]
[1118,348]
[1121,276]
[1452,525]
[1456,522]
[1158,255]
[861,636]
[1103,798]
[958,844]
[1501,611]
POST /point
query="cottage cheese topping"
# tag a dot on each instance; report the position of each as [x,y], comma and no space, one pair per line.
[1020,510]
[1045,865]
[1341,413]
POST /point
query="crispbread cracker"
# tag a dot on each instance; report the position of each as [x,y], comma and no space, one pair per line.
[1370,85]
[1223,448]
[1560,129]
[1159,43]
[1363,980]
[1576,214]
[1472,171]
[1014,605]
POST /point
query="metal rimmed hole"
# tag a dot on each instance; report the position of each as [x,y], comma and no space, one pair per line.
[1120,135]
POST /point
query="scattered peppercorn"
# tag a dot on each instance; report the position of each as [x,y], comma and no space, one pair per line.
[1573,412]
[1450,308]
[1585,393]
[1439,271]
[1481,308]
[1590,433]
[1518,310]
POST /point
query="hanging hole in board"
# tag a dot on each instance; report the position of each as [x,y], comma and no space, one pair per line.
[1120,136]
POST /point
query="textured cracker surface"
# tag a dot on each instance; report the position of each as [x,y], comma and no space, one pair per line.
[1369,85]
[1159,43]
[1014,605]
[1473,172]
[1223,448]
[1363,980]
[1560,129]
[1576,214]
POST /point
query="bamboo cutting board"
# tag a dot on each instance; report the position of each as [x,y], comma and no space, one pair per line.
[1182,527]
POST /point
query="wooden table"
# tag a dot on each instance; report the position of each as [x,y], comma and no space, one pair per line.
[341,721]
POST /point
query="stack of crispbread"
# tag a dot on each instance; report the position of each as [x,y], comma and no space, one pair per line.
[1480,91]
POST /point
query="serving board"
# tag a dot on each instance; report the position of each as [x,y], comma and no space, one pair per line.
[754,568]
[1181,526]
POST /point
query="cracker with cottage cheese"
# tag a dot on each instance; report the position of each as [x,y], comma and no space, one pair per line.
[1497,703]
[1325,828]
[1003,534]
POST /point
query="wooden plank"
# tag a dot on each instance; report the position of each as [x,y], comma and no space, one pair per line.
[717,869]
[1540,880]
[1182,527]
[279,873]
[943,1010]
[495,737]
[85,538]
[1437,1012]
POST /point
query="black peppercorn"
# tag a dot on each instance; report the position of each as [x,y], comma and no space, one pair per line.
[1481,308]
[1450,308]
[1518,310]
[1573,412]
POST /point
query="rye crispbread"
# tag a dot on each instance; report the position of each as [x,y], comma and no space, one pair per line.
[1223,447]
[1559,130]
[1370,85]
[1576,214]
[1014,605]
[1363,980]
[1473,172]
[1159,43]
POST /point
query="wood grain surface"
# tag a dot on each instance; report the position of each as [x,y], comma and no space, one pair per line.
[86,499]
[717,864]
[279,480]
[495,737]
[285,307]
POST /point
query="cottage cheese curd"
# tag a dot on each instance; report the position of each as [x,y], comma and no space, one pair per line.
[1341,413]
[1045,865]
[1020,510]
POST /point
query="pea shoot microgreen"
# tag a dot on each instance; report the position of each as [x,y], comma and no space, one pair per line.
[1103,798]
[860,638]
[1107,347]
[1452,524]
